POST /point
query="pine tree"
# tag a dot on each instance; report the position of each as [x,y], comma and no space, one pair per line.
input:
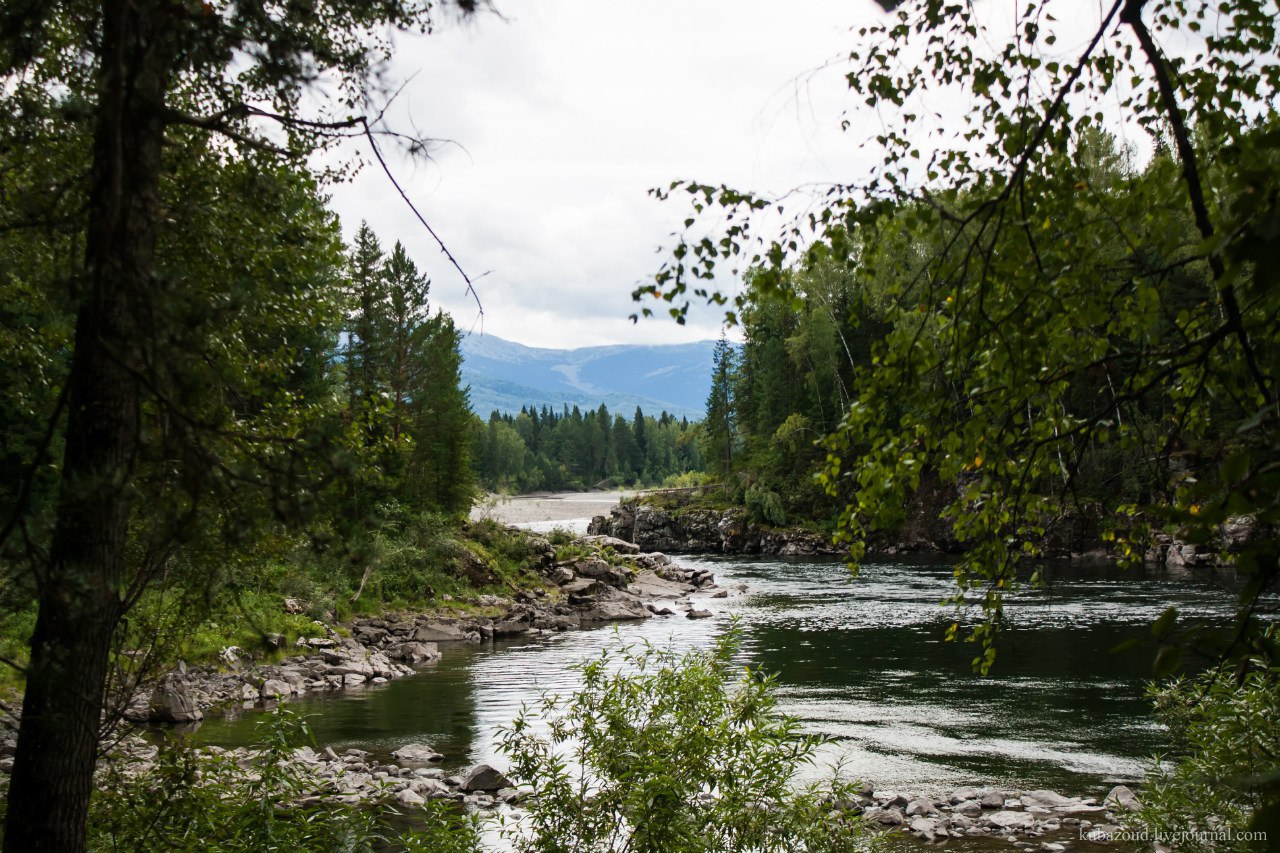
[719,422]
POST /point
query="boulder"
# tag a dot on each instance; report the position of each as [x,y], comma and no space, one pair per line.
[483,777]
[172,702]
[510,628]
[889,799]
[921,807]
[649,585]
[370,635]
[438,632]
[614,576]
[697,614]
[584,589]
[1047,802]
[416,753]
[409,797]
[620,545]
[1123,797]
[1011,820]
[614,609]
[925,829]
[274,688]
[432,789]
[415,652]
[886,816]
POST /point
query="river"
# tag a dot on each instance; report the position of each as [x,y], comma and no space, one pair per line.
[859,660]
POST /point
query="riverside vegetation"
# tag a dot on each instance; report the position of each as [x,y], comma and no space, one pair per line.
[1043,332]
[209,403]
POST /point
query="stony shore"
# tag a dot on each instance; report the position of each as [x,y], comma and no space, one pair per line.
[617,583]
[1044,820]
[1038,820]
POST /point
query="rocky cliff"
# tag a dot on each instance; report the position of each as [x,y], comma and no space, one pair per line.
[695,530]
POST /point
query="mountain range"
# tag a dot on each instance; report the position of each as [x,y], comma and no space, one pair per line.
[505,376]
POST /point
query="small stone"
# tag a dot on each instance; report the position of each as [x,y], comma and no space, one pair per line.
[922,827]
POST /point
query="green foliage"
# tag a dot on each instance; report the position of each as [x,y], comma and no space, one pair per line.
[764,505]
[1225,778]
[545,449]
[659,751]
[718,427]
[1058,326]
[403,373]
[189,800]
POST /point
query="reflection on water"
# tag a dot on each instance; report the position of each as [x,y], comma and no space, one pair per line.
[861,661]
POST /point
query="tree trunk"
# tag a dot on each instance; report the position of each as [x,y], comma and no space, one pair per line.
[79,590]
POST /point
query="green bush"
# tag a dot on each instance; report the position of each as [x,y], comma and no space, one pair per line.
[765,505]
[193,801]
[1227,729]
[665,752]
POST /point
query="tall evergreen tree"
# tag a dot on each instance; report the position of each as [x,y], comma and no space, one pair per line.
[719,423]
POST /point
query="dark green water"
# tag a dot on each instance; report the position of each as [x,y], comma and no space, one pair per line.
[859,660]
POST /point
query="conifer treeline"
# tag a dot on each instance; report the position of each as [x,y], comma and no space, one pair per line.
[546,449]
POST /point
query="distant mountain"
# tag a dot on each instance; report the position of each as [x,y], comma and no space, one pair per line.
[504,375]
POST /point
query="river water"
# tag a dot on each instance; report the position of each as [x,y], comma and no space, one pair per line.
[861,661]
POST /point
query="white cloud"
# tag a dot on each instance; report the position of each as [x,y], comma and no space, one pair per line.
[567,112]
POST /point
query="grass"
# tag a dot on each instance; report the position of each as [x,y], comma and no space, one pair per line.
[412,563]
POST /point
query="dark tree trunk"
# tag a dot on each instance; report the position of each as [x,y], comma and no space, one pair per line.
[79,591]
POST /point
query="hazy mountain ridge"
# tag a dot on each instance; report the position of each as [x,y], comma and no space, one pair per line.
[505,375]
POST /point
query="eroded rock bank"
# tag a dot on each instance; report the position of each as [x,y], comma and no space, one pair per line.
[699,530]
[693,530]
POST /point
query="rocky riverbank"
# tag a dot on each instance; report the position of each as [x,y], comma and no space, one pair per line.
[691,530]
[1043,820]
[1037,820]
[699,530]
[613,581]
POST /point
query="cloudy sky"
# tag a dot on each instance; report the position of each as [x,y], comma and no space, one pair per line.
[564,113]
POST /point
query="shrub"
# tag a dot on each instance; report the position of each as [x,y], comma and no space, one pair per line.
[193,801]
[1228,731]
[665,752]
[765,505]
